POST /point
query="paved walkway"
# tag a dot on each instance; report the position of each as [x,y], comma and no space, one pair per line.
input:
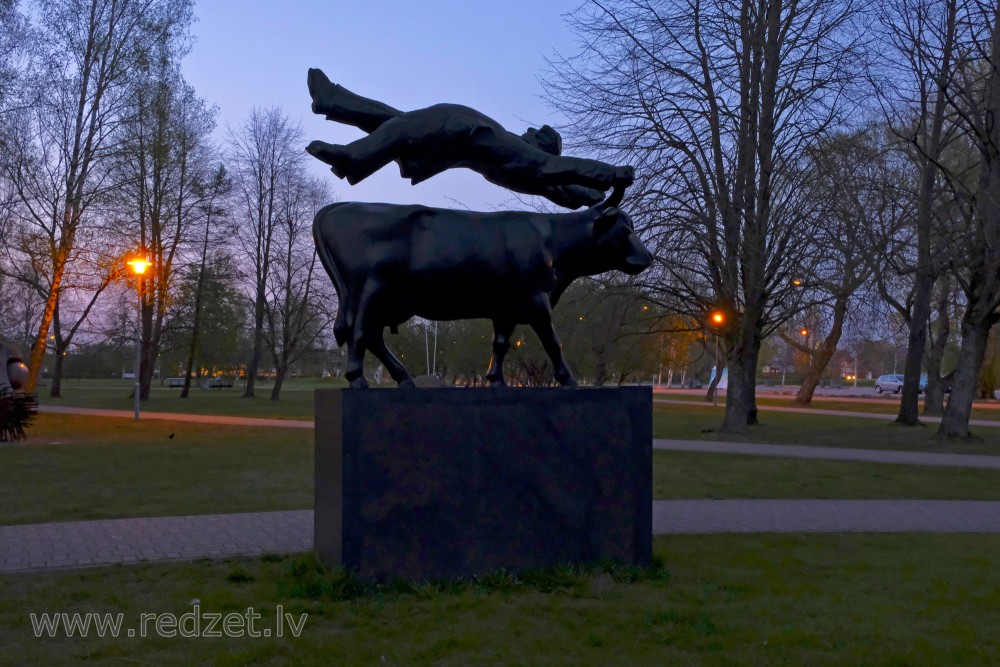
[833,453]
[74,544]
[80,544]
[825,516]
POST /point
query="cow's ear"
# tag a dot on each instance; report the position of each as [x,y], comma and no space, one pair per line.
[606,219]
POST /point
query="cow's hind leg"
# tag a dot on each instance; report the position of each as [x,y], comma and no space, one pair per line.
[398,372]
[502,331]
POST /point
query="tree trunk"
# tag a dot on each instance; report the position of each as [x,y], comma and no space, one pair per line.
[147,361]
[196,324]
[751,383]
[55,389]
[817,366]
[713,386]
[821,359]
[987,376]
[934,393]
[258,342]
[741,403]
[189,367]
[600,368]
[279,379]
[741,408]
[955,423]
[57,371]
[909,405]
[42,338]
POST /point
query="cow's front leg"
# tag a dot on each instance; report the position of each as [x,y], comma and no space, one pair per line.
[546,333]
[355,371]
[502,332]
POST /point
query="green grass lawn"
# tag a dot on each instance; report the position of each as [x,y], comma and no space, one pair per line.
[685,475]
[700,422]
[78,467]
[842,599]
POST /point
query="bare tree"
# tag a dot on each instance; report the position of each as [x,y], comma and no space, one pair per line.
[298,307]
[854,187]
[263,151]
[920,67]
[214,193]
[162,167]
[714,102]
[976,99]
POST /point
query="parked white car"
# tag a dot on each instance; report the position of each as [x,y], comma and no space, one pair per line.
[892,382]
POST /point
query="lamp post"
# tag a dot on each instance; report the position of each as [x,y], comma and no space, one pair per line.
[718,319]
[138,267]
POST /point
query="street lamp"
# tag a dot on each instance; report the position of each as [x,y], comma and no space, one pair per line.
[718,318]
[138,267]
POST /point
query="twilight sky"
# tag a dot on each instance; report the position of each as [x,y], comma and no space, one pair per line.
[407,53]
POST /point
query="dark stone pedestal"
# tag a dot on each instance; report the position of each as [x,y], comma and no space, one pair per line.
[439,483]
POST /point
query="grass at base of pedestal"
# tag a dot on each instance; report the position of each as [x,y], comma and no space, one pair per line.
[829,599]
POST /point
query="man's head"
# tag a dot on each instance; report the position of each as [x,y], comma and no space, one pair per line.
[544,138]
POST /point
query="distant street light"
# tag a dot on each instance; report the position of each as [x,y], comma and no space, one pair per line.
[138,266]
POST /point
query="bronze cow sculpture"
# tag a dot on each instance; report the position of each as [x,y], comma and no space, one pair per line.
[390,263]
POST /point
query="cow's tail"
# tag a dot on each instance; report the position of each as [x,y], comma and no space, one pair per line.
[344,324]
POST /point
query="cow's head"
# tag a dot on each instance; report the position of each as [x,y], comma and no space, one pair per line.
[616,239]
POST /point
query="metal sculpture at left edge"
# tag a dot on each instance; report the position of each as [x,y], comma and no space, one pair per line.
[16,408]
[390,262]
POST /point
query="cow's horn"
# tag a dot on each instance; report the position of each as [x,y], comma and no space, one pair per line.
[615,198]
